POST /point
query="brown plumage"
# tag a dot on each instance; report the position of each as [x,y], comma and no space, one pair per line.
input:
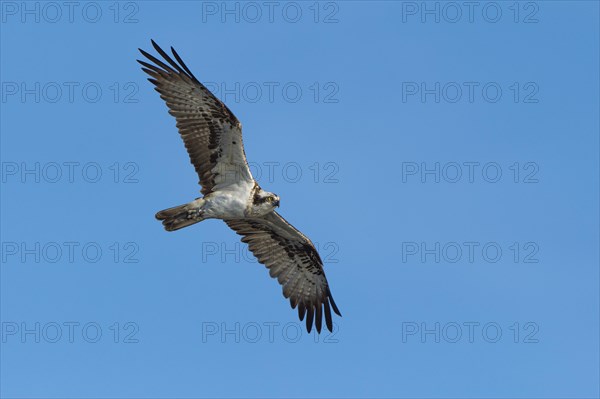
[213,138]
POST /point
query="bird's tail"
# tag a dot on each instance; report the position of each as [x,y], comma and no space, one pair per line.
[181,216]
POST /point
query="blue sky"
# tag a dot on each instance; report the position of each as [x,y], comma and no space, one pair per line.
[442,156]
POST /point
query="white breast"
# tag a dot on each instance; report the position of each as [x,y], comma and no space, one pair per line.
[230,202]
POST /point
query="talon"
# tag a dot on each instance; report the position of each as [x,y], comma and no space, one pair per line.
[194,214]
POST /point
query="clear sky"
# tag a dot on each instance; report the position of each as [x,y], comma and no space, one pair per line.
[442,156]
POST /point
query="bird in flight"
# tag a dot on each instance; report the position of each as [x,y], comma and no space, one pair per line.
[213,138]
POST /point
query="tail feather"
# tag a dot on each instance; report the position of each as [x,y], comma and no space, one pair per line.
[180,216]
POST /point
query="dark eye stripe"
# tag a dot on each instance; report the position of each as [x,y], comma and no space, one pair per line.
[258,200]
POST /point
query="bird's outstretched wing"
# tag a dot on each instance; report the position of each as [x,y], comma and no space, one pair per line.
[293,259]
[211,133]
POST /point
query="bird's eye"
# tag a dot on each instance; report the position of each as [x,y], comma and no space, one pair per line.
[269,199]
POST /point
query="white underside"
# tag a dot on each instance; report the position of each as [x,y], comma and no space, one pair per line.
[227,202]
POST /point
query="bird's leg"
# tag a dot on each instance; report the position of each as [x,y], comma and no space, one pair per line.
[195,213]
[195,210]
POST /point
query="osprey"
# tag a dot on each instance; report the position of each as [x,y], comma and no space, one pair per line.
[213,138]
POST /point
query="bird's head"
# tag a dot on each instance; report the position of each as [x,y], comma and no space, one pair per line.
[264,202]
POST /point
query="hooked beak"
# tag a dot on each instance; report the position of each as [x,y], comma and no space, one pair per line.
[276,203]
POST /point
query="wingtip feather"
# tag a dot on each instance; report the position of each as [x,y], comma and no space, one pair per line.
[333,305]
[309,319]
[319,318]
[301,311]
[328,320]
